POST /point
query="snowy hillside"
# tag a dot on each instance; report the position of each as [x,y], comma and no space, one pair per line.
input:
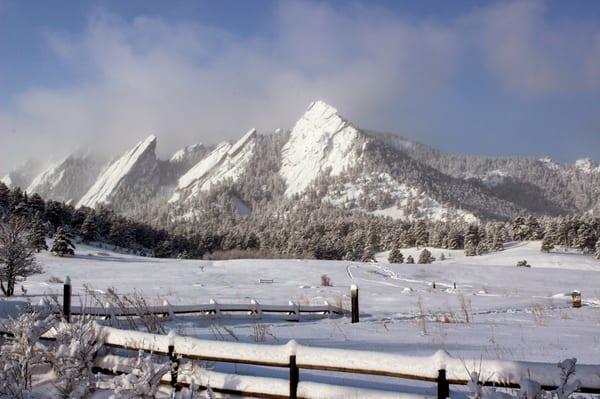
[405,202]
[325,158]
[514,313]
[136,166]
[226,162]
[69,179]
[320,142]
[22,175]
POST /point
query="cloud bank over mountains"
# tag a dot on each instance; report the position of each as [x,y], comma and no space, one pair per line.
[188,82]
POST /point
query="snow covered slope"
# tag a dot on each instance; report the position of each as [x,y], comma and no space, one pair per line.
[226,161]
[68,179]
[191,154]
[320,141]
[134,170]
[381,194]
[22,175]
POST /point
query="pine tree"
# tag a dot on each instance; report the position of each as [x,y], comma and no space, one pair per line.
[88,228]
[547,244]
[62,244]
[395,255]
[421,234]
[585,240]
[425,257]
[37,235]
[472,240]
[455,240]
[410,260]
[368,254]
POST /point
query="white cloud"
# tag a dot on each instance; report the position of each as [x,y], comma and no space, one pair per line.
[532,55]
[190,82]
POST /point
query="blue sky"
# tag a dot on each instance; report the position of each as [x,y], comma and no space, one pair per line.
[490,78]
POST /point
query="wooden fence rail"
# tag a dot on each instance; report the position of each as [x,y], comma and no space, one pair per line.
[441,368]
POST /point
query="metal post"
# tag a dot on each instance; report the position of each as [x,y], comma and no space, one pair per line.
[67,299]
[354,300]
[443,387]
[294,377]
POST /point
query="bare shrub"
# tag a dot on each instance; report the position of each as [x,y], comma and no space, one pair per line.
[55,280]
[539,314]
[260,332]
[143,381]
[21,354]
[465,308]
[135,309]
[422,317]
[72,359]
[326,281]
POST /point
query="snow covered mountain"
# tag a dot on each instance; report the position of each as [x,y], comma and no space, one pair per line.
[537,185]
[133,176]
[22,175]
[226,162]
[323,160]
[69,179]
[321,142]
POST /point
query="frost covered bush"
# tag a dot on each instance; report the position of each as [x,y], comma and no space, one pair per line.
[72,358]
[17,258]
[21,354]
[529,389]
[142,382]
[326,281]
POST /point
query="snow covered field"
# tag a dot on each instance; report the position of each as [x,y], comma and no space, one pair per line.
[514,313]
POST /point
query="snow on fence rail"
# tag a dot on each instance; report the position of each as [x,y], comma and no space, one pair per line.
[254,308]
[440,368]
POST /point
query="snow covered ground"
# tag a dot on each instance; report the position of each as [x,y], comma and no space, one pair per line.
[514,313]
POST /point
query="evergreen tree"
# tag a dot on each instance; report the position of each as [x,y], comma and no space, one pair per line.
[547,244]
[37,235]
[368,254]
[425,257]
[410,260]
[472,240]
[421,234]
[455,240]
[585,240]
[395,255]
[88,228]
[62,244]
[36,204]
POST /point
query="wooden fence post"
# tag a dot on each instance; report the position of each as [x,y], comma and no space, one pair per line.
[294,377]
[354,300]
[576,299]
[67,299]
[443,388]
[174,362]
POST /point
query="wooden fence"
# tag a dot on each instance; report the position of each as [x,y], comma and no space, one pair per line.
[292,311]
[441,368]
